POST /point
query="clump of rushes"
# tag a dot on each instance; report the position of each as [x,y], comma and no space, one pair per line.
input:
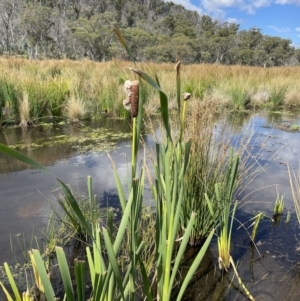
[278,206]
[223,196]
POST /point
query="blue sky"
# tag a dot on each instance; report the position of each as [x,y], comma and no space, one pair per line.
[274,17]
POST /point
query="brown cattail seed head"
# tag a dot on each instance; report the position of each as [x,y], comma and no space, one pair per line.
[186,96]
[131,102]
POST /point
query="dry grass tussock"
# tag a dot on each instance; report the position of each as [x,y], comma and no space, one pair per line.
[75,109]
[292,98]
[24,110]
[260,97]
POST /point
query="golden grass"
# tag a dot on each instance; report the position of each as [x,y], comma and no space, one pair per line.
[75,109]
[24,110]
[99,84]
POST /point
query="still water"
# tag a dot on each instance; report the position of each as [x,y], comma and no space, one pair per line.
[269,270]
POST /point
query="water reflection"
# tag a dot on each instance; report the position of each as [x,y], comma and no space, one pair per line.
[24,193]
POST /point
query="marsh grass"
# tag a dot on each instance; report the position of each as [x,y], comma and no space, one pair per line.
[50,83]
[239,96]
[277,95]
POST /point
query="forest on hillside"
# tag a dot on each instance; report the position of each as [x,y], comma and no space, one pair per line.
[155,30]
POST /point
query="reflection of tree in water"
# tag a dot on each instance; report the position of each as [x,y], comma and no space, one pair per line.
[236,120]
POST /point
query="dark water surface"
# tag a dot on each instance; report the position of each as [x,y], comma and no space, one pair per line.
[269,270]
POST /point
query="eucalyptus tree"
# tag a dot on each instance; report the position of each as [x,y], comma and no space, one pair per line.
[223,40]
[11,35]
[278,49]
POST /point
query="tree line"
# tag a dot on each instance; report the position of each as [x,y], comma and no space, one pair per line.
[155,31]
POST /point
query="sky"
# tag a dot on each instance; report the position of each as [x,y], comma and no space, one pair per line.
[279,18]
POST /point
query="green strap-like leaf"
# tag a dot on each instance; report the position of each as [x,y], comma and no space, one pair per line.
[49,292]
[123,42]
[194,266]
[12,282]
[113,261]
[8,296]
[80,279]
[23,158]
[65,273]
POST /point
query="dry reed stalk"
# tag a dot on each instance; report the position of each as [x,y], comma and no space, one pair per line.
[295,187]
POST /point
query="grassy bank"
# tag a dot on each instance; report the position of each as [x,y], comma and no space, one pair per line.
[31,90]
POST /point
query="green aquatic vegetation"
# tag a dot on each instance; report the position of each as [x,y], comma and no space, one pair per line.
[295,128]
[239,96]
[277,95]
[278,206]
[257,218]
[94,140]
[224,198]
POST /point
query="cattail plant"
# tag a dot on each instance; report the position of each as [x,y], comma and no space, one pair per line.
[131,103]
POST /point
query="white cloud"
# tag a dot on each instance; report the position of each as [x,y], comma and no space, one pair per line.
[187,4]
[234,20]
[251,6]
[215,7]
[283,2]
[279,29]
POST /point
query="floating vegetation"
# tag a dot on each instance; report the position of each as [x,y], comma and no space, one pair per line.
[93,140]
[288,127]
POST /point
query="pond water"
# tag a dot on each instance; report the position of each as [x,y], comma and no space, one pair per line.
[269,270]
